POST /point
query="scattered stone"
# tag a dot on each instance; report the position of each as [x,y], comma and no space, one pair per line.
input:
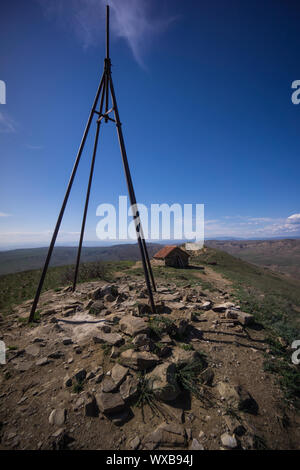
[96,307]
[245,318]
[90,376]
[109,298]
[57,417]
[195,445]
[140,340]
[67,341]
[222,307]
[166,435]
[138,360]
[108,385]
[129,388]
[110,402]
[68,381]
[206,305]
[114,339]
[114,353]
[43,361]
[143,308]
[56,355]
[80,375]
[228,441]
[134,444]
[133,326]
[163,382]
[118,373]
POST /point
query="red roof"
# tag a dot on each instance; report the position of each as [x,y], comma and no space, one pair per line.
[166,250]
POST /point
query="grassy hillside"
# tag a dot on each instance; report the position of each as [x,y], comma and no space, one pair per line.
[14,261]
[279,255]
[18,287]
[274,300]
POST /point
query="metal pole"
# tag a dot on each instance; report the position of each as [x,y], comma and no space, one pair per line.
[69,187]
[88,191]
[130,189]
[86,205]
[107,31]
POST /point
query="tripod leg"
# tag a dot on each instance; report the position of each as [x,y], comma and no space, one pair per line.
[89,188]
[69,187]
[86,206]
[131,191]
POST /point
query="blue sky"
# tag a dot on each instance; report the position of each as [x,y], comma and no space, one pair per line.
[204,93]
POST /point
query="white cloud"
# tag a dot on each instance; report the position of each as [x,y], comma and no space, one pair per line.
[253,227]
[3,214]
[294,219]
[132,20]
[7,124]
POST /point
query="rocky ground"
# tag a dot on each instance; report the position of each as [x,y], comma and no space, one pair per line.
[99,371]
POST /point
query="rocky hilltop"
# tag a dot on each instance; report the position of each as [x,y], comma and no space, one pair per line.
[97,370]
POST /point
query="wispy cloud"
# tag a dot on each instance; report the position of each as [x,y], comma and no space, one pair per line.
[253,227]
[133,20]
[7,124]
[3,214]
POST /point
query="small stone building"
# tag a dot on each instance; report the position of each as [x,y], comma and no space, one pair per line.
[172,255]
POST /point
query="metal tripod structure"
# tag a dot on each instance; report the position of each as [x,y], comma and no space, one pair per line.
[102,98]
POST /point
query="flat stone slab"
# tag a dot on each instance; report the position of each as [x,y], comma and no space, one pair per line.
[114,339]
[138,360]
[133,326]
[110,402]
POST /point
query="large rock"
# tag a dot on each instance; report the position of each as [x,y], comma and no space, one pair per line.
[114,339]
[228,441]
[196,445]
[166,435]
[57,417]
[96,307]
[138,360]
[141,340]
[222,307]
[108,385]
[133,326]
[129,388]
[100,292]
[163,382]
[206,305]
[245,318]
[118,373]
[110,402]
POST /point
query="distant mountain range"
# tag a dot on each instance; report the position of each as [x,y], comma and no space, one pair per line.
[281,255]
[13,261]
